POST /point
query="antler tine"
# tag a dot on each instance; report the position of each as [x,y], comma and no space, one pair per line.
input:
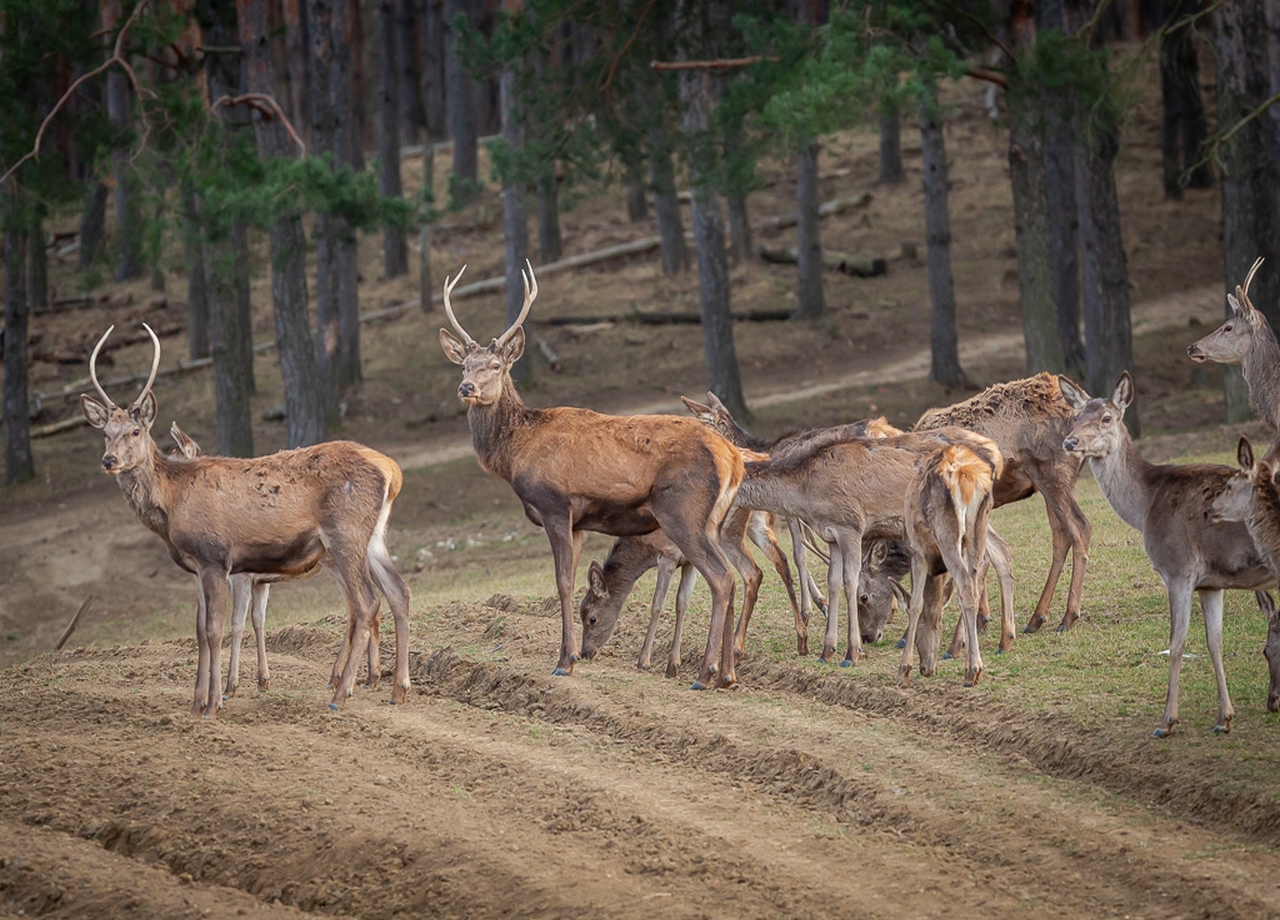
[1244,291]
[448,307]
[155,365]
[93,368]
[530,295]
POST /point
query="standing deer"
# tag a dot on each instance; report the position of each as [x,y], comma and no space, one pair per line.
[1247,339]
[1170,506]
[1028,420]
[1251,497]
[576,470]
[253,591]
[278,515]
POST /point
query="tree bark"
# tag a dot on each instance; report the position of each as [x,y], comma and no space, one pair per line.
[515,223]
[19,466]
[303,394]
[460,101]
[810,302]
[666,208]
[395,253]
[128,217]
[323,127]
[891,171]
[197,297]
[409,60]
[37,268]
[296,46]
[346,153]
[637,197]
[944,348]
[93,223]
[1183,121]
[433,69]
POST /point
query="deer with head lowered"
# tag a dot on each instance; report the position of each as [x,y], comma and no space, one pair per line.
[280,515]
[1170,505]
[1247,339]
[576,470]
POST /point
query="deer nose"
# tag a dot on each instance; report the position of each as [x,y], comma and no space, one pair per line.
[1070,444]
[108,461]
[466,389]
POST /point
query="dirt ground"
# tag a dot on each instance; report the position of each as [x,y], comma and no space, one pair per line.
[499,790]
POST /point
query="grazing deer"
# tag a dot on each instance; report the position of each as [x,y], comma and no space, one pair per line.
[278,515]
[1170,506]
[575,470]
[253,591]
[1247,339]
[630,557]
[1251,497]
[1028,420]
[945,518]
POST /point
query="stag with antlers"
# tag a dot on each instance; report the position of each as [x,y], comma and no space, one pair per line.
[576,470]
[282,515]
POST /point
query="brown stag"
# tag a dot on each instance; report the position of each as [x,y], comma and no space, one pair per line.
[1170,506]
[1028,420]
[1251,496]
[576,470]
[278,515]
[1247,339]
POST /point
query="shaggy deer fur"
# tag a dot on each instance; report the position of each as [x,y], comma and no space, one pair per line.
[1247,339]
[278,515]
[1170,506]
[1028,420]
[575,470]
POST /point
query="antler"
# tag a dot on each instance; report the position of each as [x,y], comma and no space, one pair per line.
[448,307]
[1243,292]
[93,369]
[155,367]
[529,297]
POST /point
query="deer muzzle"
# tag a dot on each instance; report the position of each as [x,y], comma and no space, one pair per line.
[466,389]
[109,462]
[1071,444]
[1195,354]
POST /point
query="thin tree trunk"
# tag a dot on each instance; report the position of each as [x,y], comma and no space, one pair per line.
[38,268]
[93,223]
[346,149]
[303,395]
[426,286]
[515,224]
[231,380]
[891,172]
[296,47]
[637,198]
[1183,121]
[409,58]
[128,219]
[323,129]
[945,352]
[810,301]
[19,466]
[197,297]
[1064,230]
[243,301]
[461,102]
[394,251]
[433,69]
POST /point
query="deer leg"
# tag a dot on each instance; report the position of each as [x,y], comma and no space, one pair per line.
[565,547]
[997,557]
[666,569]
[396,592]
[202,651]
[1061,545]
[800,554]
[761,532]
[835,581]
[752,577]
[1211,607]
[241,595]
[261,593]
[373,652]
[969,593]
[919,566]
[851,547]
[362,608]
[1179,620]
[214,584]
[929,637]
[688,577]
[1081,531]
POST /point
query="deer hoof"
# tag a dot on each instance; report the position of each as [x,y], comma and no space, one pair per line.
[697,685]
[1063,627]
[802,645]
[670,672]
[901,643]
[264,685]
[1222,728]
[1033,625]
[904,674]
[847,663]
[563,672]
[334,706]
[1161,732]
[947,656]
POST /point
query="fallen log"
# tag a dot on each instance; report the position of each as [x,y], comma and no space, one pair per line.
[858,266]
[826,209]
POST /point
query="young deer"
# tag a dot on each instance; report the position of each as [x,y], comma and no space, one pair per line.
[575,470]
[1170,506]
[630,557]
[1251,496]
[1247,339]
[253,591]
[946,514]
[278,515]
[1028,420]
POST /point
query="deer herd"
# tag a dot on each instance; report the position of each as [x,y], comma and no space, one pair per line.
[693,492]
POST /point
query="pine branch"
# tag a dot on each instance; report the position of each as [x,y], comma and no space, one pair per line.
[266,106]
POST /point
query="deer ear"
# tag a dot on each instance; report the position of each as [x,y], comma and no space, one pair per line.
[454,350]
[144,411]
[513,348]
[1072,392]
[1123,394]
[697,408]
[94,412]
[595,579]
[1244,454]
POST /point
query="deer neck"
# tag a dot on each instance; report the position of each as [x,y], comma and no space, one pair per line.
[1124,478]
[494,427]
[143,488]
[1261,369]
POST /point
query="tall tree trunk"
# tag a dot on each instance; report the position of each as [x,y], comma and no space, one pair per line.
[515,224]
[461,103]
[409,59]
[433,69]
[346,153]
[1250,172]
[197,297]
[323,129]
[297,45]
[426,287]
[891,172]
[810,301]
[723,376]
[666,208]
[637,197]
[37,268]
[303,395]
[1183,119]
[18,463]
[128,217]
[394,251]
[93,223]
[944,348]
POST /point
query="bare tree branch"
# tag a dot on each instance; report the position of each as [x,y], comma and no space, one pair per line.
[268,107]
[721,64]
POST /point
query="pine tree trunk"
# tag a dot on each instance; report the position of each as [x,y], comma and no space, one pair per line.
[231,380]
[303,395]
[810,301]
[433,69]
[346,152]
[128,219]
[323,125]
[1064,231]
[296,45]
[461,103]
[637,198]
[666,208]
[93,224]
[197,298]
[1183,120]
[37,269]
[891,172]
[18,463]
[395,253]
[945,352]
[515,223]
[409,60]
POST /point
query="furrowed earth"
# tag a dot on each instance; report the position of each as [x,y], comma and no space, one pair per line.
[500,790]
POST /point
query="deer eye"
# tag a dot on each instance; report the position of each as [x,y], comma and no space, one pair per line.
[495,365]
[137,431]
[1227,328]
[1106,419]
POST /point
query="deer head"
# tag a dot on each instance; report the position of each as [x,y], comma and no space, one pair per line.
[1099,424]
[127,431]
[1230,342]
[485,369]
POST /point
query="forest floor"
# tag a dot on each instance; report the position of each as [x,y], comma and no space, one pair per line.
[499,790]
